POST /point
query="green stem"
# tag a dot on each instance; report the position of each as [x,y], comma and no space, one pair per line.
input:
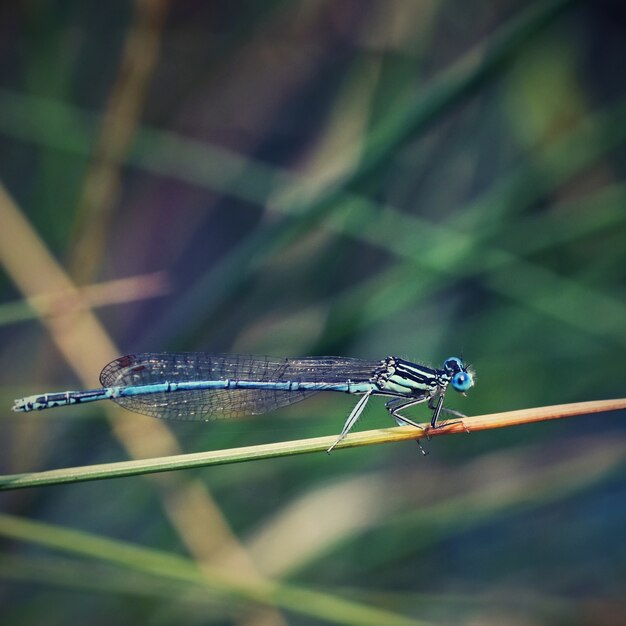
[302,446]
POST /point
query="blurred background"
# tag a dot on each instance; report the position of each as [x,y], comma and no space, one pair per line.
[357,178]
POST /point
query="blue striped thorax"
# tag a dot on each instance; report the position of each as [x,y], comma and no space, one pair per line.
[397,376]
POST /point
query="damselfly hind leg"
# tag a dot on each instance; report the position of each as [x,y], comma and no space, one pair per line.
[352,418]
[453,412]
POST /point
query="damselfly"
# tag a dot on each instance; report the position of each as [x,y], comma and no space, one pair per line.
[199,386]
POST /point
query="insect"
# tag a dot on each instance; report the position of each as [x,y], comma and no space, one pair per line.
[201,386]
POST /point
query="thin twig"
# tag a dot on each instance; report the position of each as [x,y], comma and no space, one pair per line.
[302,446]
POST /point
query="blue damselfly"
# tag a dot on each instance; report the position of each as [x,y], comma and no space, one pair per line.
[200,386]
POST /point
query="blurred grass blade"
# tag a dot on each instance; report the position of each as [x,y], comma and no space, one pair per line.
[101,185]
[493,491]
[475,68]
[169,566]
[111,292]
[81,576]
[400,126]
[463,248]
[187,503]
[379,296]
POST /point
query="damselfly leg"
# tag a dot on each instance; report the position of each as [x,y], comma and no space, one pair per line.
[395,405]
[438,409]
[352,419]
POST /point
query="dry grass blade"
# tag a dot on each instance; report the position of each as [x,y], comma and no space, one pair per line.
[102,183]
[119,291]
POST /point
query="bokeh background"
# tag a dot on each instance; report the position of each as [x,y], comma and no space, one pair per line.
[359,178]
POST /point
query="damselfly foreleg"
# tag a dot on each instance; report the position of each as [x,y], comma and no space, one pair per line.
[438,409]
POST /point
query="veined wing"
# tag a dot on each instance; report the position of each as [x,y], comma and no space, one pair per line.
[153,367]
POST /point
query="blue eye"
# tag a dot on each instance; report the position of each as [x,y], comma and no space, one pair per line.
[462,381]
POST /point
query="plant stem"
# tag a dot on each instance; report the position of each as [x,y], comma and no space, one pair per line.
[302,446]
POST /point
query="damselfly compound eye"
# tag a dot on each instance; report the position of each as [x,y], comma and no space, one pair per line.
[462,381]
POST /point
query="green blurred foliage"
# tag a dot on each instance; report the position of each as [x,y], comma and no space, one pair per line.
[351,178]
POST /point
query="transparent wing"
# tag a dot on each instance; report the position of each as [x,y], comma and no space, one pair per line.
[147,368]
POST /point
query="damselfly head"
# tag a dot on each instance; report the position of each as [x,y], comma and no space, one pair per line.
[461,376]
